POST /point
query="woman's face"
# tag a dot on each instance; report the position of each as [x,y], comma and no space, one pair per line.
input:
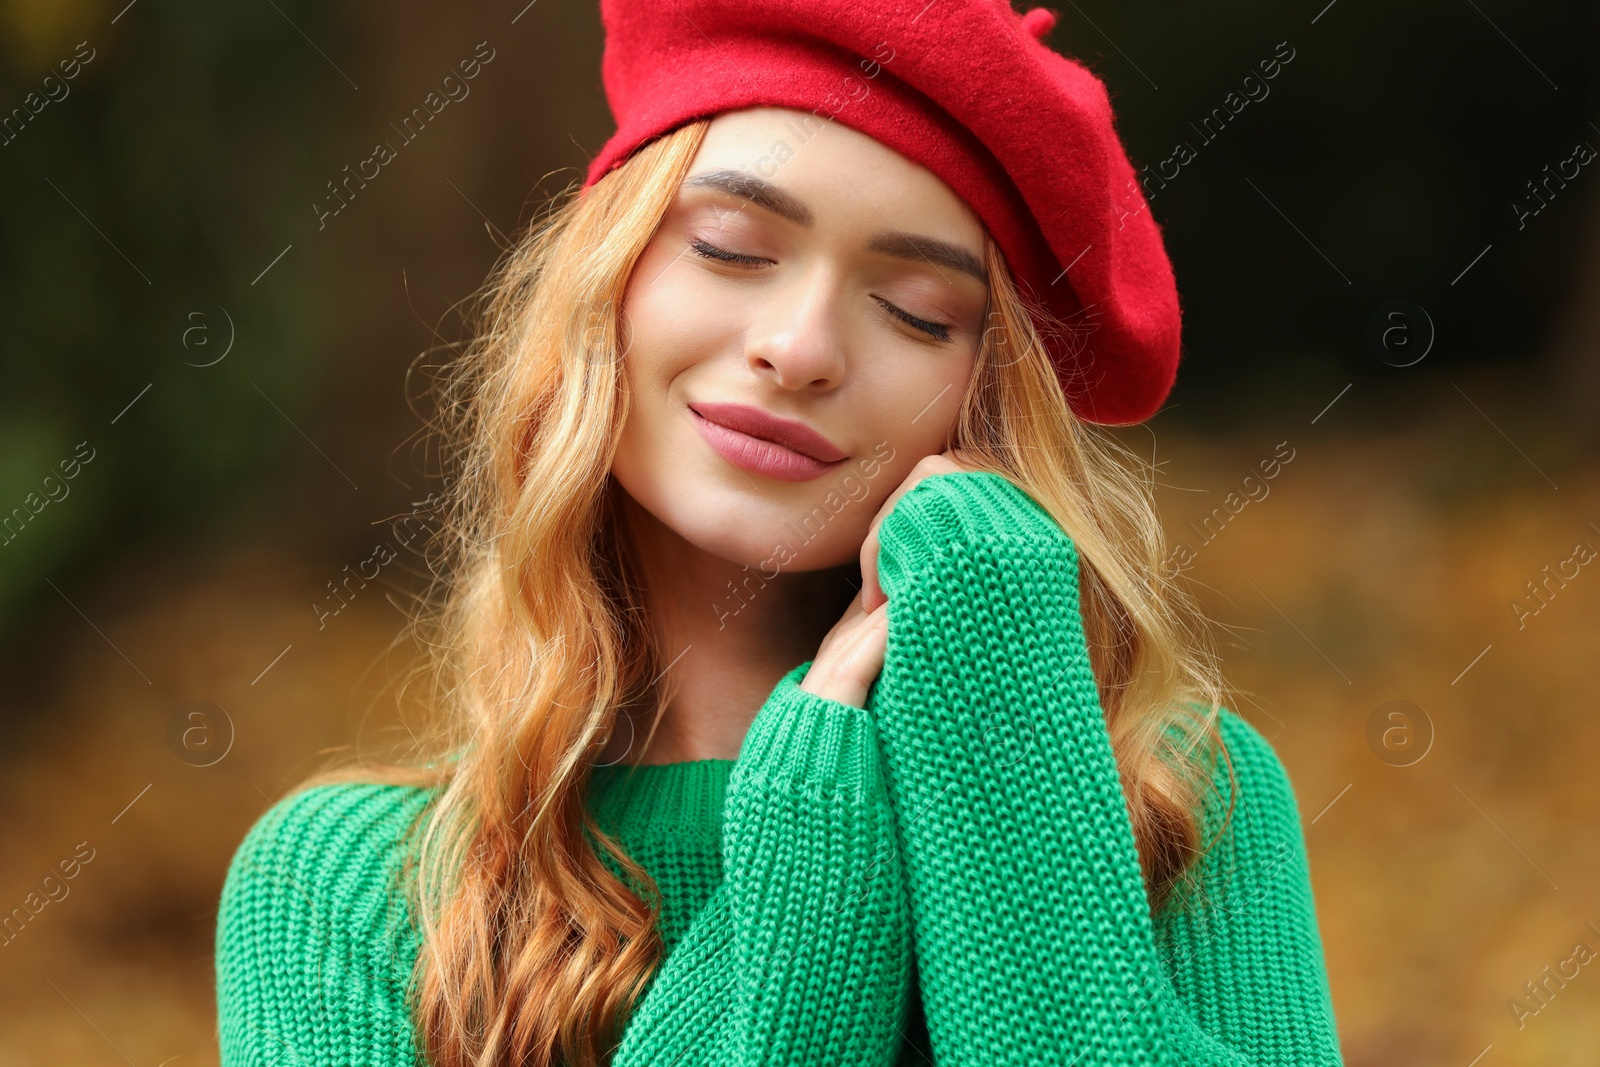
[809,273]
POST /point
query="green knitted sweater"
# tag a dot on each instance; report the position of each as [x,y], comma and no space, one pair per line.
[948,875]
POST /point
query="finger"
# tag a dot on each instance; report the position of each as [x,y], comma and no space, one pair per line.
[850,659]
[862,657]
[871,594]
[874,644]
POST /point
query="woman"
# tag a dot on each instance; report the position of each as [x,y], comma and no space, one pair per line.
[811,689]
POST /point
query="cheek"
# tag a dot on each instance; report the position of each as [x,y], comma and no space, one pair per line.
[673,327]
[915,404]
[669,325]
[913,407]
[672,317]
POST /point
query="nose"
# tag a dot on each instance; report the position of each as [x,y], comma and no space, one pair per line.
[796,341]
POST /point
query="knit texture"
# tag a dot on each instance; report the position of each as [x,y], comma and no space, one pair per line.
[947,876]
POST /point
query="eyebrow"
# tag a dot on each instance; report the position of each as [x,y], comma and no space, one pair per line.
[889,242]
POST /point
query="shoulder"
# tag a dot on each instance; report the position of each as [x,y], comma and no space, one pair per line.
[1252,833]
[1258,776]
[322,844]
[354,818]
[313,929]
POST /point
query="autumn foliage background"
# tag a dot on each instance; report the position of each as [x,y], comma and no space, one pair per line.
[234,374]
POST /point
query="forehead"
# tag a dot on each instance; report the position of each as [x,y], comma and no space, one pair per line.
[840,173]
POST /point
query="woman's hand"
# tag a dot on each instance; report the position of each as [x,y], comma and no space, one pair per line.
[851,656]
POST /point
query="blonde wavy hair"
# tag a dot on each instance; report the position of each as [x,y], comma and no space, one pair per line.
[532,951]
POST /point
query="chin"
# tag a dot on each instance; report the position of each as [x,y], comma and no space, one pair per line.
[784,527]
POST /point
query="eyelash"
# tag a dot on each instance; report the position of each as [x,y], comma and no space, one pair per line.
[711,251]
[938,330]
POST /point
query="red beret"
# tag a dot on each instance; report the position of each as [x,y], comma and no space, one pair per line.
[965,88]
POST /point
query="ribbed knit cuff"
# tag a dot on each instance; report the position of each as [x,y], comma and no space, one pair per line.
[955,506]
[809,746]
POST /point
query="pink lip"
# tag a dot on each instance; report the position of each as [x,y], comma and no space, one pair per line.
[756,441]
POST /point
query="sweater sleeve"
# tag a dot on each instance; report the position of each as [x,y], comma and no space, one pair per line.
[1031,926]
[803,953]
[1257,923]
[314,946]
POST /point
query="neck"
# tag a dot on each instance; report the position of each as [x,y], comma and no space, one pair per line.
[727,633]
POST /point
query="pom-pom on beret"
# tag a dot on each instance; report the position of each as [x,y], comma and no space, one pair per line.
[967,89]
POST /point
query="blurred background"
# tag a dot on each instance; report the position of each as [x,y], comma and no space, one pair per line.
[1385,223]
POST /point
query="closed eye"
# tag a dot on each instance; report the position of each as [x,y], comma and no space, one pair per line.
[707,250]
[938,330]
[711,251]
